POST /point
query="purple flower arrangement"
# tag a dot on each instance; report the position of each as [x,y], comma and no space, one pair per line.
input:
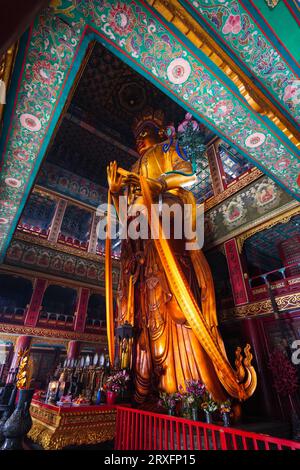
[193,394]
[117,382]
[167,400]
[193,397]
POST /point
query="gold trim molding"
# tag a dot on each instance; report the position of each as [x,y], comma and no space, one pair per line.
[173,12]
[8,338]
[283,218]
[48,333]
[54,429]
[263,307]
[35,339]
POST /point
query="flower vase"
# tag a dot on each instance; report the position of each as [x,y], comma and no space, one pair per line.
[226,419]
[171,411]
[208,416]
[111,397]
[19,423]
[195,414]
[98,397]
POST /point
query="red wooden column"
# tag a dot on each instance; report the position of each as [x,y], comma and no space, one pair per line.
[73,349]
[33,311]
[236,273]
[80,315]
[265,397]
[23,342]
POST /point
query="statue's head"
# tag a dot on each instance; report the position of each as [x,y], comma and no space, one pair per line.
[148,129]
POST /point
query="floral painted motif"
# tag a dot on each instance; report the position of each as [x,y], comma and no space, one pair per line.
[237,29]
[121,19]
[232,25]
[43,71]
[223,108]
[21,154]
[178,71]
[151,47]
[30,122]
[292,92]
[255,140]
[282,163]
[13,182]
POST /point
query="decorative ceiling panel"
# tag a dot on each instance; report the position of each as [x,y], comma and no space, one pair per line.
[113,93]
[233,25]
[79,151]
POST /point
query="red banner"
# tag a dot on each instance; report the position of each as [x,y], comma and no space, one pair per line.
[35,303]
[238,285]
[82,310]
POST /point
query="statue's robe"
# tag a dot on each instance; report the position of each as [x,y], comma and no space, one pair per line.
[167,352]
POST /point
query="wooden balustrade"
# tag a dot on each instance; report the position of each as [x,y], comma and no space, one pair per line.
[12,314]
[56,320]
[281,282]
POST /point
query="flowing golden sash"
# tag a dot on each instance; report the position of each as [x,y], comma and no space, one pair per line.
[108,285]
[230,379]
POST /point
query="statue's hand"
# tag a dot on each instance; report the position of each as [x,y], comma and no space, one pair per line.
[115,181]
[132,179]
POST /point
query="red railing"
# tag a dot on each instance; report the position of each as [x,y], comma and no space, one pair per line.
[144,430]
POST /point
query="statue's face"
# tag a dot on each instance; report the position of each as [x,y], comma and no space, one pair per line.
[148,137]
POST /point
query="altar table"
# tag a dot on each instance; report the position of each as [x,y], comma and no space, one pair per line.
[55,427]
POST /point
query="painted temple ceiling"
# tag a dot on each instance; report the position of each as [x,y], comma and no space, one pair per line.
[50,55]
[234,24]
[98,124]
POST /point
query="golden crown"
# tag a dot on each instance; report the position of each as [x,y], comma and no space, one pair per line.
[148,117]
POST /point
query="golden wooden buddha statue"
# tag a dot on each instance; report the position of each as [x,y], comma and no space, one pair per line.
[165,291]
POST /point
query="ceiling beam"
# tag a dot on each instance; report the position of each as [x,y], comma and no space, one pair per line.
[173,12]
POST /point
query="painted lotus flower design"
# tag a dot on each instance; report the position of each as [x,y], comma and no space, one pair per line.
[178,71]
[30,122]
[232,25]
[282,163]
[255,140]
[223,108]
[121,19]
[43,71]
[21,155]
[292,92]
